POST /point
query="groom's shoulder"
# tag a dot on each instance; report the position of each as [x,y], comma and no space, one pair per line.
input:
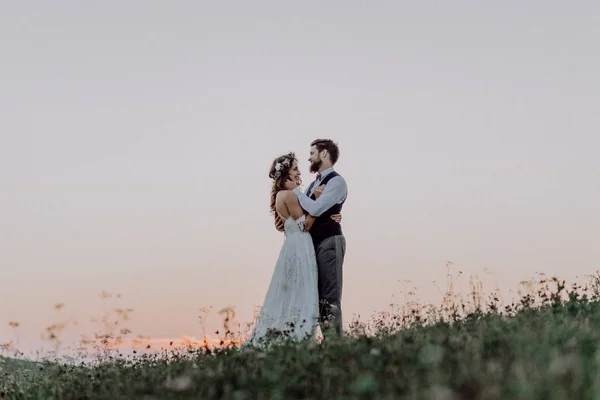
[338,176]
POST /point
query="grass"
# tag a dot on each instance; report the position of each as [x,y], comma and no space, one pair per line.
[545,345]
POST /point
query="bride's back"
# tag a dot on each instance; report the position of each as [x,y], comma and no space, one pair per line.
[280,206]
[289,211]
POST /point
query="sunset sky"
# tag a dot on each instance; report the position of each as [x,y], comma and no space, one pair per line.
[137,138]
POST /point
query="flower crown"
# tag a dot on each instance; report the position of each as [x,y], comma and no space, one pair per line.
[283,165]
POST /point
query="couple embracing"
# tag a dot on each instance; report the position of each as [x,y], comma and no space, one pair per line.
[306,285]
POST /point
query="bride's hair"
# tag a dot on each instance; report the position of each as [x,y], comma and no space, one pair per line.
[280,173]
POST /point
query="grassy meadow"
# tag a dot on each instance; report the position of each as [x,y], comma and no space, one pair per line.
[544,345]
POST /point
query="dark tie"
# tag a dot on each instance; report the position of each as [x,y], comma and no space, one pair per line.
[318,177]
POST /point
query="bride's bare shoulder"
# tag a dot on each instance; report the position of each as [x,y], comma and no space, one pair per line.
[285,194]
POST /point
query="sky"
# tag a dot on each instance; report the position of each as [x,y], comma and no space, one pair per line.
[137,138]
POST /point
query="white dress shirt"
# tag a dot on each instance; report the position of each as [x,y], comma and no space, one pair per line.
[335,192]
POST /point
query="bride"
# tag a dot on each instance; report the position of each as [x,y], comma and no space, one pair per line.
[290,308]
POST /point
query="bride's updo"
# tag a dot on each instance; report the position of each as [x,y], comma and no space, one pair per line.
[280,173]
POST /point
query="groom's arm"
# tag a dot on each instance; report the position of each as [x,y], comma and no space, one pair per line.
[334,192]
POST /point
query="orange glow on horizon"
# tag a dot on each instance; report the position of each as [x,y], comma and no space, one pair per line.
[164,343]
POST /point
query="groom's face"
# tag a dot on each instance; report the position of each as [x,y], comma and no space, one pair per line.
[315,159]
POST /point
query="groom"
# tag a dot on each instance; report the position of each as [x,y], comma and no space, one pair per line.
[330,244]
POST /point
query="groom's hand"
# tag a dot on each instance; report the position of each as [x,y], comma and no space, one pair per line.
[309,220]
[279,225]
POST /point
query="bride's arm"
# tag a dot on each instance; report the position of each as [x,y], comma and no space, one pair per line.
[336,217]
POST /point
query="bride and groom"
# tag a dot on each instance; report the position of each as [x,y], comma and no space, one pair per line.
[306,285]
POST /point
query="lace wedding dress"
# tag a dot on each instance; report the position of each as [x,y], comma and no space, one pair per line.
[291,305]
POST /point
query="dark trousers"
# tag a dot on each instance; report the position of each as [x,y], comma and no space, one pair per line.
[330,258]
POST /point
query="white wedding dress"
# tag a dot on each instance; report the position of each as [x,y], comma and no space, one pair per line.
[291,305]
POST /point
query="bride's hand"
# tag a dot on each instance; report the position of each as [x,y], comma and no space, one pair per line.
[337,218]
[319,191]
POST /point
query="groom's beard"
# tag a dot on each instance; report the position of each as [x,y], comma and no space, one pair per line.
[315,166]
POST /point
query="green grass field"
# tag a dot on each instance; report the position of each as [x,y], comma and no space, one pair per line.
[546,345]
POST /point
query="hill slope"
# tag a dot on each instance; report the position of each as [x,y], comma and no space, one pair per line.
[547,346]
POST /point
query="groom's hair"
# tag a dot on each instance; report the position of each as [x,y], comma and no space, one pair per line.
[330,146]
